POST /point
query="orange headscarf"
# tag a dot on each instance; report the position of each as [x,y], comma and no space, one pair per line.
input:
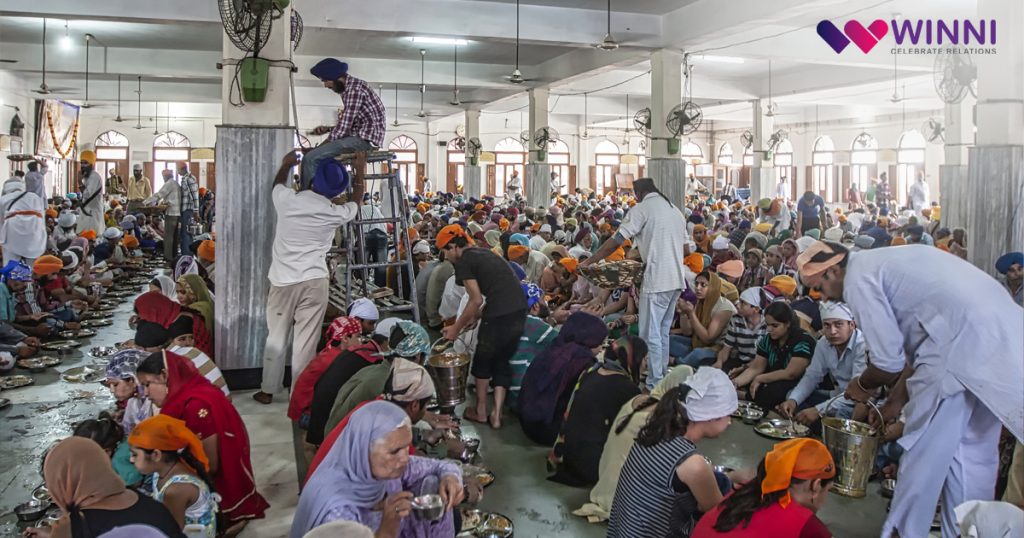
[52,213]
[47,265]
[166,433]
[806,459]
[451,232]
[517,251]
[503,225]
[808,268]
[569,263]
[784,283]
[704,245]
[899,240]
[617,255]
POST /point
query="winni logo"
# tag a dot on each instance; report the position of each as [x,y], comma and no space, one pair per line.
[917,32]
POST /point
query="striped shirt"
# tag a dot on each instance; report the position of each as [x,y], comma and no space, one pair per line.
[537,336]
[189,193]
[778,357]
[743,339]
[645,499]
[205,366]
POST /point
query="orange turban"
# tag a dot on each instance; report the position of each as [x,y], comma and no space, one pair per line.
[503,225]
[478,207]
[114,203]
[517,251]
[131,242]
[207,251]
[897,241]
[47,265]
[605,227]
[808,268]
[163,432]
[202,191]
[451,232]
[785,284]
[695,262]
[617,255]
[569,263]
[535,228]
[88,234]
[52,213]
[805,459]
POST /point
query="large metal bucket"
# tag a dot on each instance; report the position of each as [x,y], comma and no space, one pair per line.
[854,446]
[449,370]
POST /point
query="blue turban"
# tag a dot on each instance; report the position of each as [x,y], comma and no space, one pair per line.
[744,224]
[1007,260]
[331,178]
[329,69]
[16,271]
[533,294]
[519,239]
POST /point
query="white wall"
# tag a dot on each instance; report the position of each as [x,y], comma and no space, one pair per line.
[14,92]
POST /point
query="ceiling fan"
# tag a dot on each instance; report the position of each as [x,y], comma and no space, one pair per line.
[43,88]
[87,104]
[455,81]
[119,119]
[138,124]
[609,42]
[517,76]
[423,86]
[395,122]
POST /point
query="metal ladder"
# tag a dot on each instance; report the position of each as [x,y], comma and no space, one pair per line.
[380,167]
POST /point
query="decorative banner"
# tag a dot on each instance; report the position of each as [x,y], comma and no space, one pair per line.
[487,157]
[57,131]
[203,154]
[627,158]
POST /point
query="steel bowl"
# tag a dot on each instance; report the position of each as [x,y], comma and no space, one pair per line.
[29,511]
[428,507]
[42,494]
[888,487]
[102,351]
[470,448]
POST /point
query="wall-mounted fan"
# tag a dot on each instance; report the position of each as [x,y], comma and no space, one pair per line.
[747,139]
[642,121]
[543,137]
[684,119]
[17,127]
[954,76]
[457,144]
[473,147]
[775,139]
[297,29]
[933,131]
[863,141]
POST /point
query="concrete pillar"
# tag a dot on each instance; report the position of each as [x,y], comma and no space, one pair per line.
[250,143]
[537,186]
[665,168]
[472,178]
[995,177]
[959,134]
[762,174]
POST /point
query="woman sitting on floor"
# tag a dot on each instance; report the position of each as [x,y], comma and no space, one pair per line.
[791,485]
[192,292]
[701,327]
[165,448]
[663,489]
[176,386]
[783,354]
[600,392]
[93,500]
[107,433]
[369,477]
[126,389]
[550,378]
[164,284]
[155,307]
[343,333]
[632,416]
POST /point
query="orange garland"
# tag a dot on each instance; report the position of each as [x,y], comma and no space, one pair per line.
[53,136]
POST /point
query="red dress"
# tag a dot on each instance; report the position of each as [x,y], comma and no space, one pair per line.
[206,411]
[155,307]
[793,521]
[302,390]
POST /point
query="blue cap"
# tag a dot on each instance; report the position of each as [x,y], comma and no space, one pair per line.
[331,178]
[533,294]
[1007,260]
[519,239]
[329,69]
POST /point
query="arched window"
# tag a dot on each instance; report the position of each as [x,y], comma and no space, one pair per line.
[725,153]
[606,160]
[910,161]
[456,166]
[823,171]
[748,156]
[782,161]
[509,159]
[558,158]
[692,155]
[406,159]
[112,154]
[169,149]
[863,159]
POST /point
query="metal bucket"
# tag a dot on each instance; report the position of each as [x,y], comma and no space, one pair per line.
[854,446]
[449,370]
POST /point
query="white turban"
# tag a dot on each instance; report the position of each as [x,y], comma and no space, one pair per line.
[362,308]
[137,167]
[384,327]
[112,233]
[421,247]
[834,234]
[804,243]
[752,296]
[67,219]
[720,243]
[13,185]
[835,310]
[73,260]
[712,395]
[545,228]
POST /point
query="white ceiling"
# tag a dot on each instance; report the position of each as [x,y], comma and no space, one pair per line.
[176,50]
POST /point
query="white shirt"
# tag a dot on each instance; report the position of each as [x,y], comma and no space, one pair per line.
[35,182]
[368,212]
[537,242]
[91,215]
[306,222]
[22,235]
[782,190]
[515,183]
[919,195]
[170,193]
[658,229]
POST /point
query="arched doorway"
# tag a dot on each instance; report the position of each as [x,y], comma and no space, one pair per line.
[407,161]
[456,165]
[864,161]
[782,161]
[607,158]
[558,158]
[823,181]
[910,161]
[509,157]
[169,149]
[112,155]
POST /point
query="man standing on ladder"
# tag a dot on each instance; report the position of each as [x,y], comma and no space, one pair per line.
[360,126]
[299,279]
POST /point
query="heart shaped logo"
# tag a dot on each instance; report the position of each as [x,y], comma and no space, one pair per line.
[866,38]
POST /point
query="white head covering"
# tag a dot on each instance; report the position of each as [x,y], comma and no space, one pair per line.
[834,233]
[545,228]
[74,260]
[804,243]
[112,233]
[720,243]
[361,308]
[410,381]
[752,296]
[137,166]
[67,219]
[712,395]
[835,310]
[13,185]
[421,247]
[989,519]
[384,327]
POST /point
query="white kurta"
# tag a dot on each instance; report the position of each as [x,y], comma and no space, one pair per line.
[22,236]
[961,332]
[91,216]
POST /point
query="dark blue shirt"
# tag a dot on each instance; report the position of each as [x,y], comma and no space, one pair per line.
[811,210]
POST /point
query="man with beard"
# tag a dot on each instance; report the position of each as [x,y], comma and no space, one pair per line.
[92,195]
[360,125]
[139,188]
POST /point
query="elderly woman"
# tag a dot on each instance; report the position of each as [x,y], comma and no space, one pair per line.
[93,500]
[550,378]
[792,484]
[663,489]
[155,307]
[369,477]
[176,386]
[599,393]
[192,292]
[632,416]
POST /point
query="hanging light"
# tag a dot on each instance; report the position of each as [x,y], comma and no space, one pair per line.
[65,42]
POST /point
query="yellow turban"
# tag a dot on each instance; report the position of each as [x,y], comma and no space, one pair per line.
[87,156]
[763,227]
[784,283]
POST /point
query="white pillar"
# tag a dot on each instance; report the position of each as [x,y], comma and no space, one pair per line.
[250,143]
[665,168]
[995,183]
[537,187]
[959,134]
[762,177]
[472,178]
